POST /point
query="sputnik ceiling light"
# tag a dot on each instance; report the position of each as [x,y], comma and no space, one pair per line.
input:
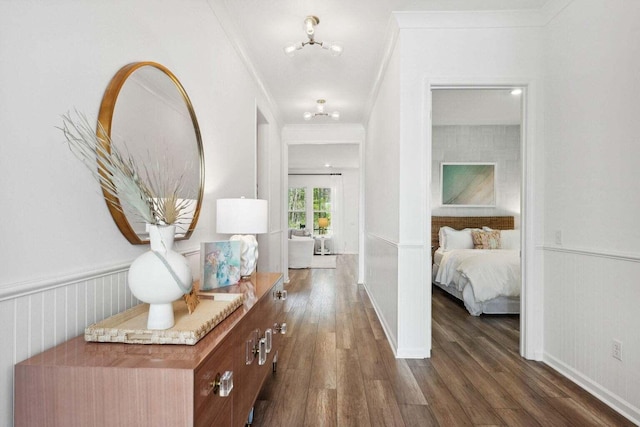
[320,112]
[310,23]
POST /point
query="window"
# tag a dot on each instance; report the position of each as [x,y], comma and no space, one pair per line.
[321,208]
[297,208]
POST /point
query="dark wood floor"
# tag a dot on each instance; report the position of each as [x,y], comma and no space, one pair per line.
[336,368]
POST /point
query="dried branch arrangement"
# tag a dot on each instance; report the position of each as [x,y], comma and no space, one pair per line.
[145,191]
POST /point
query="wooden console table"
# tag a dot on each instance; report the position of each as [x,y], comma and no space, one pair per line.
[84,384]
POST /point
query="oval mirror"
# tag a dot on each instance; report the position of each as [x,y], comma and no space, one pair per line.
[146,112]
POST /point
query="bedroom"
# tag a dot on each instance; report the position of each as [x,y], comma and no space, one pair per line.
[475,190]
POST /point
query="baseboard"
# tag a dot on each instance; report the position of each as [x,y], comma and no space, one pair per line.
[385,326]
[612,400]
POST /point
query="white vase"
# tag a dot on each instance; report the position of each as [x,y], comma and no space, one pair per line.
[160,276]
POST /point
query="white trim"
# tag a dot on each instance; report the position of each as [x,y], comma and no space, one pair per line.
[361,213]
[383,323]
[531,327]
[512,18]
[618,256]
[323,142]
[612,400]
[469,19]
[382,239]
[552,8]
[21,289]
[17,290]
[230,25]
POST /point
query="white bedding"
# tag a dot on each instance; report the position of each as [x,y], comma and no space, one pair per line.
[479,276]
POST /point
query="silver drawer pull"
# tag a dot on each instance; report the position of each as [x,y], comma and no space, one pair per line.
[268,336]
[223,384]
[262,351]
[280,328]
[281,295]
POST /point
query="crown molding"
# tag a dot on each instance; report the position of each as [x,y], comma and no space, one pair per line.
[552,8]
[230,26]
[449,19]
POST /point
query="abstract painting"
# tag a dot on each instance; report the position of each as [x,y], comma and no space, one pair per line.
[468,184]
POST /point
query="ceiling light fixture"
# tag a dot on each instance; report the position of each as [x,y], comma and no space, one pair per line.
[310,23]
[516,91]
[320,112]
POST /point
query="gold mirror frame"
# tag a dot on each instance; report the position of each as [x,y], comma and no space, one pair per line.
[105,119]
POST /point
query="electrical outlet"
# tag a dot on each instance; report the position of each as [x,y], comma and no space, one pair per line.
[616,350]
[558,237]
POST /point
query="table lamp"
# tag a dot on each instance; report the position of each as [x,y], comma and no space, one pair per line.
[323,223]
[244,218]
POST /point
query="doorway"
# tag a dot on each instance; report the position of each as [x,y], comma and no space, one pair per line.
[480,127]
[266,261]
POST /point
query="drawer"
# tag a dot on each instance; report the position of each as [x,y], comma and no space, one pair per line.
[208,405]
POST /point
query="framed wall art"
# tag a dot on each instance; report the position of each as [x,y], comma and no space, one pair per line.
[220,264]
[468,184]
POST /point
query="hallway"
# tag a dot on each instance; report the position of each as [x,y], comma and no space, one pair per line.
[336,368]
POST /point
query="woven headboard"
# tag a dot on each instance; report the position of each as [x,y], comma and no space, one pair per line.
[460,222]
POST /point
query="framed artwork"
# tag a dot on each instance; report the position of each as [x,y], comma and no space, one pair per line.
[220,264]
[468,184]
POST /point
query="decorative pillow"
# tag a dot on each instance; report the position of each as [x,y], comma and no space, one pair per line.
[456,239]
[486,239]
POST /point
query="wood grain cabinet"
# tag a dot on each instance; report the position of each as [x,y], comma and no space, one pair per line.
[85,384]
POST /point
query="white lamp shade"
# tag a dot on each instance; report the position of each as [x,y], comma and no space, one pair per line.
[241,216]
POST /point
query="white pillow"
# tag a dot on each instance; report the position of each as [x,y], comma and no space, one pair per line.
[456,239]
[294,237]
[441,236]
[510,239]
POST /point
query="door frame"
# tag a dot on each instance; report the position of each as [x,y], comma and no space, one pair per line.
[530,300]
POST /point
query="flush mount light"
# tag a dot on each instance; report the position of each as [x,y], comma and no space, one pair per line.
[516,91]
[310,23]
[320,112]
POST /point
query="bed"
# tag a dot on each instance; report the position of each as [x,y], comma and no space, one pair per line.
[477,260]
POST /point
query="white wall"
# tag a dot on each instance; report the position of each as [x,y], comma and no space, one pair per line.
[351,210]
[270,183]
[381,186]
[488,143]
[443,49]
[591,287]
[64,261]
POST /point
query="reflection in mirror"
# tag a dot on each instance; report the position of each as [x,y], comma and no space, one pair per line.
[146,112]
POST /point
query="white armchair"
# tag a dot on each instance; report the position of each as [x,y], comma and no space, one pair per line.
[300,251]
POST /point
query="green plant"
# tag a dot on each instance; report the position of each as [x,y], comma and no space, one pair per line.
[144,191]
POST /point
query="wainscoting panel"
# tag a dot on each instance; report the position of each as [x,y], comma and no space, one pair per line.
[38,321]
[381,283]
[591,298]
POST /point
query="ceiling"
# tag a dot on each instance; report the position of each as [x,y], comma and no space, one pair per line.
[476,107]
[261,28]
[329,157]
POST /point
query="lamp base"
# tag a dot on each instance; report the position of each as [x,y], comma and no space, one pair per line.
[248,253]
